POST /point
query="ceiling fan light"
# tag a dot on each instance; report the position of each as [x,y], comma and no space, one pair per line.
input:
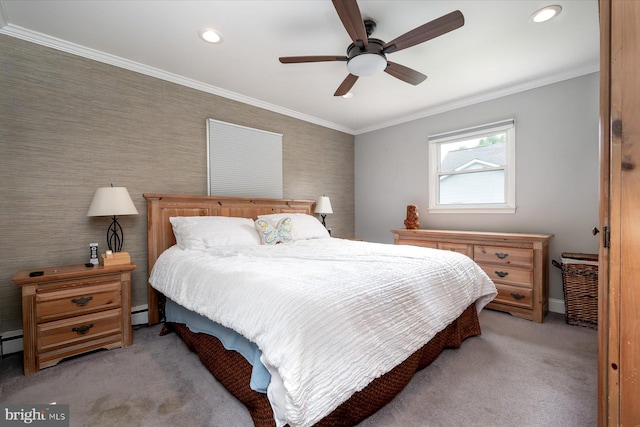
[546,13]
[366,64]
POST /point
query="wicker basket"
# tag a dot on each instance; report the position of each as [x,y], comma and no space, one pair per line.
[580,286]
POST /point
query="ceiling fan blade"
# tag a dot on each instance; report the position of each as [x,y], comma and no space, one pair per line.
[298,59]
[349,14]
[405,74]
[346,85]
[428,31]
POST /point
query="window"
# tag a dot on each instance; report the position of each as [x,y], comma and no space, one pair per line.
[473,170]
[243,161]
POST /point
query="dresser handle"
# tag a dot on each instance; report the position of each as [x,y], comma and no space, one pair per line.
[517,297]
[501,255]
[83,329]
[81,302]
[502,273]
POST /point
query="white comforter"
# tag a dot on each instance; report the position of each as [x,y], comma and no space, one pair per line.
[330,315]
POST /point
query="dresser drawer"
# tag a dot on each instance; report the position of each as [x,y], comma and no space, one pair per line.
[461,248]
[503,255]
[56,304]
[509,275]
[422,243]
[67,332]
[514,296]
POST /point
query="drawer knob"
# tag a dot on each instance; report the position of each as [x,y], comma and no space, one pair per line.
[501,255]
[81,302]
[83,329]
[517,297]
[502,273]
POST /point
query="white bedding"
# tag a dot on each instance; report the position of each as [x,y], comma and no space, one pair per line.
[330,315]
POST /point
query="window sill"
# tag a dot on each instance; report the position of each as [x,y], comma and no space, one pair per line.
[472,210]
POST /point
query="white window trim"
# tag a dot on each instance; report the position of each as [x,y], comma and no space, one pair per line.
[509,207]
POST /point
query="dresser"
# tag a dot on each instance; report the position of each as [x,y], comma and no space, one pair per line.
[517,263]
[70,310]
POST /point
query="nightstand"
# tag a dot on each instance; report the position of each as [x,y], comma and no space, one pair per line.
[74,309]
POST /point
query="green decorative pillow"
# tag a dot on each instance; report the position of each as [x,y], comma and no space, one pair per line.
[270,235]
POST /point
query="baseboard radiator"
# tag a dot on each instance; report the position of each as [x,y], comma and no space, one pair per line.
[11,341]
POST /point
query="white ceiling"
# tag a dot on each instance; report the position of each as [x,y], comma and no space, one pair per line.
[498,51]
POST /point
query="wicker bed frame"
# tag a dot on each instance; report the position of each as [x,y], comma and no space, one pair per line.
[231,369]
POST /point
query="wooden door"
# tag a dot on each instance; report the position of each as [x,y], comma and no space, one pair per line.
[619,269]
[607,377]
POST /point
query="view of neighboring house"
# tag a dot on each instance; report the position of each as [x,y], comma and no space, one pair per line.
[487,183]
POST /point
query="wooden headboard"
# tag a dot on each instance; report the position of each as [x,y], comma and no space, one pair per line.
[160,207]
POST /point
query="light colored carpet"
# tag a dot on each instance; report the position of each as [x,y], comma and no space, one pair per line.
[517,373]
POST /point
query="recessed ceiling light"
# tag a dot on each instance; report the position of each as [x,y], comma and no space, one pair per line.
[546,13]
[210,36]
[348,95]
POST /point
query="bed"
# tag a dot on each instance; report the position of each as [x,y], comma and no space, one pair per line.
[337,327]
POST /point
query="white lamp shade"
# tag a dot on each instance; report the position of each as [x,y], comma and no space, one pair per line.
[323,206]
[110,201]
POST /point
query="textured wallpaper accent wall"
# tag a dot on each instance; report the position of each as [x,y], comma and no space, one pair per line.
[69,125]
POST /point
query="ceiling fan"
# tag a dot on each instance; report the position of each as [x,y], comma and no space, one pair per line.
[367,56]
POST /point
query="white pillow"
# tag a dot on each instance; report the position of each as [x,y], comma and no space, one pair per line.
[203,232]
[303,226]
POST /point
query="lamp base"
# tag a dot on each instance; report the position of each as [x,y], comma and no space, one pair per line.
[115,236]
[115,258]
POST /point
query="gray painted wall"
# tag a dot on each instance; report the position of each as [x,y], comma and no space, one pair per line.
[69,125]
[556,169]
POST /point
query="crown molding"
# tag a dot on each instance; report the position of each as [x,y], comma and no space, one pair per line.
[487,96]
[75,49]
[62,45]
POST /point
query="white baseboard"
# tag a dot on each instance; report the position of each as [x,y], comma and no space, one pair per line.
[556,305]
[12,340]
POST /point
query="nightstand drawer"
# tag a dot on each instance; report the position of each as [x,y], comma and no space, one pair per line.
[51,305]
[66,332]
[503,255]
[509,275]
[513,295]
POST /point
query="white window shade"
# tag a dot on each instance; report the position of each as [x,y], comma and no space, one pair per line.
[472,131]
[243,161]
